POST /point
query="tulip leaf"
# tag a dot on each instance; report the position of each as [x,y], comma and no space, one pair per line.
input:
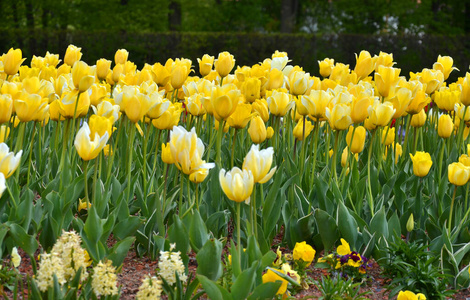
[327,228]
[23,240]
[244,283]
[272,204]
[127,227]
[93,228]
[209,260]
[459,254]
[346,224]
[379,224]
[178,234]
[198,235]
[462,280]
[118,252]
[394,227]
[213,290]
[266,290]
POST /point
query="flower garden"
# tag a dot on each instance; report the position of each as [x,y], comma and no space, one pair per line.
[225,165]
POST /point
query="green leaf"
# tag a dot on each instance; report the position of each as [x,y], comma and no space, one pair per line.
[209,260]
[198,235]
[459,255]
[327,228]
[213,290]
[127,227]
[244,283]
[178,234]
[266,290]
[93,228]
[346,224]
[379,224]
[119,251]
[462,280]
[23,240]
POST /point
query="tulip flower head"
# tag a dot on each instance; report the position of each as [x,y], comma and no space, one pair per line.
[421,163]
[205,64]
[12,61]
[72,54]
[444,64]
[9,162]
[237,184]
[224,63]
[87,148]
[458,173]
[2,184]
[259,163]
[358,140]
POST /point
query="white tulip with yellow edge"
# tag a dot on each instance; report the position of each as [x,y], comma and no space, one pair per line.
[89,149]
[9,162]
[259,163]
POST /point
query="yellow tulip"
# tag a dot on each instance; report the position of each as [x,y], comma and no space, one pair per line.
[401,100]
[298,131]
[418,119]
[103,67]
[465,159]
[339,117]
[6,108]
[28,106]
[459,112]
[12,61]
[325,66]
[194,105]
[54,111]
[385,78]
[261,107]
[169,118]
[180,72]
[98,93]
[72,54]
[107,109]
[446,99]
[338,71]
[458,173]
[365,64]
[68,107]
[158,105]
[237,184]
[257,130]
[81,76]
[251,89]
[465,95]
[398,152]
[444,64]
[303,251]
[205,64]
[121,55]
[224,64]
[86,148]
[299,82]
[421,163]
[240,118]
[380,114]
[388,135]
[259,163]
[316,103]
[51,59]
[384,59]
[100,125]
[162,73]
[9,162]
[445,126]
[166,155]
[199,176]
[359,106]
[358,140]
[11,88]
[344,157]
[275,79]
[224,100]
[279,103]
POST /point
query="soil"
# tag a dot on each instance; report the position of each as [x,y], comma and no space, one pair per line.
[135,268]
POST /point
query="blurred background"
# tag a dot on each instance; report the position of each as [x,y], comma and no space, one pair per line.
[415,31]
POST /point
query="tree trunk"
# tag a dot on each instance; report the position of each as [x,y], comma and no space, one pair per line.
[288,15]
[174,17]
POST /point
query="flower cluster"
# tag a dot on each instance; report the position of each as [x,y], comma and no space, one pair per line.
[170,262]
[104,281]
[151,289]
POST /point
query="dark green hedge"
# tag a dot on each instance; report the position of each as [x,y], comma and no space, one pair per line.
[412,53]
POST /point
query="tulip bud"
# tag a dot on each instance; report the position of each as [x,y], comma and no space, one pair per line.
[6,108]
[445,126]
[167,157]
[388,135]
[257,130]
[103,67]
[298,131]
[4,133]
[358,140]
[224,63]
[72,54]
[121,56]
[12,61]
[269,132]
[325,66]
[458,173]
[421,163]
[410,224]
[205,64]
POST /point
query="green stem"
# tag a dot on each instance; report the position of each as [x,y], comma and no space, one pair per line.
[180,202]
[144,161]
[64,151]
[234,140]
[95,175]
[302,151]
[218,148]
[254,212]
[31,155]
[369,155]
[315,150]
[451,210]
[85,174]
[129,162]
[333,161]
[461,130]
[441,157]
[239,245]
[405,145]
